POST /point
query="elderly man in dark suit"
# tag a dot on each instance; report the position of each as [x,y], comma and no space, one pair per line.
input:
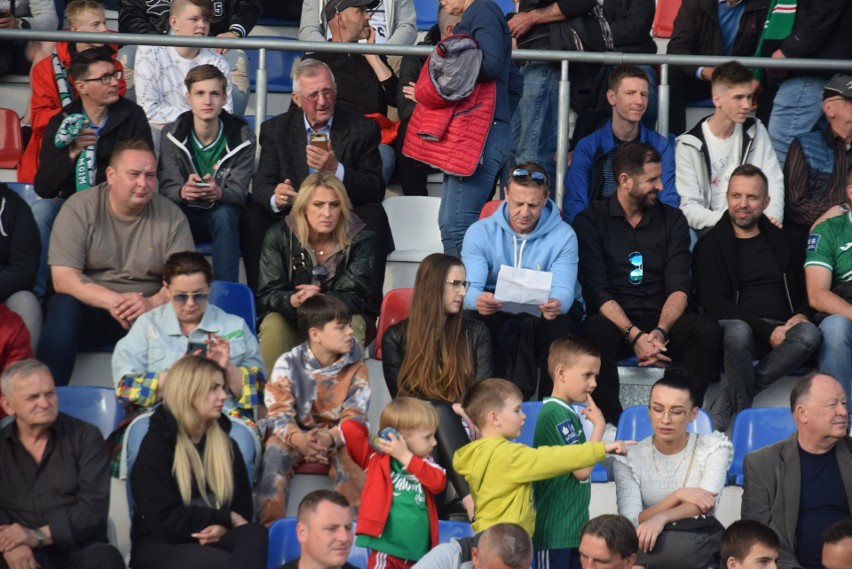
[802,485]
[313,136]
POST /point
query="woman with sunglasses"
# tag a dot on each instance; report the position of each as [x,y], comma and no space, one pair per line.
[320,248]
[187,324]
[193,495]
[440,371]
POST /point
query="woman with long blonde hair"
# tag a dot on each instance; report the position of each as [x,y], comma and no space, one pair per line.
[190,484]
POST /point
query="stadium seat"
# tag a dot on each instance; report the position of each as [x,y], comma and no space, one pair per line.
[427,14]
[395,307]
[11,141]
[279,64]
[489,208]
[664,18]
[635,425]
[236,299]
[284,546]
[414,225]
[754,429]
[95,405]
[506,6]
[448,530]
[26,191]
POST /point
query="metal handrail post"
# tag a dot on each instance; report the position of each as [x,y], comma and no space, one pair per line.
[563,116]
[663,107]
[260,94]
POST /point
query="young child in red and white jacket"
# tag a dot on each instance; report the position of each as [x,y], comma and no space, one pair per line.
[397,518]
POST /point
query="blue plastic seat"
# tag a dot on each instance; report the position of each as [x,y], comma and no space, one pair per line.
[284,546]
[427,14]
[279,64]
[506,6]
[26,191]
[95,405]
[448,530]
[635,425]
[531,410]
[236,299]
[754,429]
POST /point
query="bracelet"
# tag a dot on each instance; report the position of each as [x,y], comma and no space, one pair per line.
[627,331]
[636,338]
[662,332]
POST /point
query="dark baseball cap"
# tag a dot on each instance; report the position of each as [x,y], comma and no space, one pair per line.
[335,6]
[839,86]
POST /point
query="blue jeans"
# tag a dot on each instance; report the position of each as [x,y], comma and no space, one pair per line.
[796,110]
[45,212]
[72,327]
[388,161]
[835,354]
[463,198]
[221,225]
[539,109]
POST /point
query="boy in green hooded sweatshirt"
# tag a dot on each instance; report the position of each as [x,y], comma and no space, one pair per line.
[500,473]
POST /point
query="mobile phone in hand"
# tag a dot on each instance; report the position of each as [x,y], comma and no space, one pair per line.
[320,141]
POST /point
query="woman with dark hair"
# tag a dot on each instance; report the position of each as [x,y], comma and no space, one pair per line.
[443,369]
[186,324]
[320,248]
[674,476]
[192,492]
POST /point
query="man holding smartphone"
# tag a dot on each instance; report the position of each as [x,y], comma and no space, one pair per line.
[206,159]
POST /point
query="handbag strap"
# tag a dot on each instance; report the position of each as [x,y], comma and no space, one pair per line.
[691,460]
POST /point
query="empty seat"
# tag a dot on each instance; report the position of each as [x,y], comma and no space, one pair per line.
[236,299]
[26,191]
[635,425]
[395,308]
[489,208]
[279,65]
[414,225]
[448,530]
[427,14]
[754,429]
[11,141]
[95,405]
[664,18]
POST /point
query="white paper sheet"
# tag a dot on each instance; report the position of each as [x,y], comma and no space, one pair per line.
[522,290]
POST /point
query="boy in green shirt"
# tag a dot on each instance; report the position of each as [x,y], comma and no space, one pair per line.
[562,503]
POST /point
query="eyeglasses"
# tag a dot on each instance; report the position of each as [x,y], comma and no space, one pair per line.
[635,276]
[458,285]
[524,175]
[320,275]
[105,79]
[197,298]
[675,414]
[314,97]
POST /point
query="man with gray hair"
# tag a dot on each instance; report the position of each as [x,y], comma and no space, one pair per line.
[313,135]
[608,541]
[54,497]
[502,545]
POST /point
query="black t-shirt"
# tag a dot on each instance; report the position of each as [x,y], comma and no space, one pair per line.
[761,286]
[822,501]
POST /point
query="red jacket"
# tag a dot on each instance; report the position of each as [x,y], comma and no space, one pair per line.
[45,103]
[378,489]
[449,135]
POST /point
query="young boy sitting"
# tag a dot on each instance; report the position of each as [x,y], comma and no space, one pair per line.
[562,502]
[749,544]
[398,519]
[500,473]
[311,389]
[206,162]
[160,70]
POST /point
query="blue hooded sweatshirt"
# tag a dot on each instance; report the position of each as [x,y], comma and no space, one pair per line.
[550,246]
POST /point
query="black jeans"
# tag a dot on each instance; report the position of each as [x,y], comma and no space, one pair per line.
[100,555]
[244,547]
[695,340]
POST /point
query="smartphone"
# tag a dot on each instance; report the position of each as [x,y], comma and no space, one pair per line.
[320,141]
[202,184]
[193,347]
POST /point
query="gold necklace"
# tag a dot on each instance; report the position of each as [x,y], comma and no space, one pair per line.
[679,464]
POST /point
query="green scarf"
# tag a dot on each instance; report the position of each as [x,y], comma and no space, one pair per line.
[779,25]
[62,84]
[84,169]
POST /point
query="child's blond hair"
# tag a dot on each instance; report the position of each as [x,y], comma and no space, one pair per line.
[407,414]
[486,396]
[75,9]
[564,350]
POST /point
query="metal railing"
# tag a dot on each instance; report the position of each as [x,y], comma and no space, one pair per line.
[565,57]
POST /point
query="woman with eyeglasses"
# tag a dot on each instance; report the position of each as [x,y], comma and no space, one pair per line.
[440,370]
[193,496]
[670,483]
[187,324]
[320,248]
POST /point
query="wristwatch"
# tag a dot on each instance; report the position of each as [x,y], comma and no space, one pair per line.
[40,537]
[844,207]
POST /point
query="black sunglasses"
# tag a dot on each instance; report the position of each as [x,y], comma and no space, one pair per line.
[523,175]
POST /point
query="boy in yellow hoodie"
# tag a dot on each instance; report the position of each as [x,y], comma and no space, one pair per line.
[500,473]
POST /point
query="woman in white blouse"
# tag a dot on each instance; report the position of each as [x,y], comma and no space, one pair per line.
[673,476]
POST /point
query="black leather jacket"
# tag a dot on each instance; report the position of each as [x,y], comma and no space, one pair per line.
[393,351]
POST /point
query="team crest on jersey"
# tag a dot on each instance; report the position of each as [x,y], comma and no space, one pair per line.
[567,432]
[813,241]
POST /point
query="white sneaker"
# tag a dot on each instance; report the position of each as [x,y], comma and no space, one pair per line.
[609,433]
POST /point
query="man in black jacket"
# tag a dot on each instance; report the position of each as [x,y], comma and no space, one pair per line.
[749,275]
[709,27]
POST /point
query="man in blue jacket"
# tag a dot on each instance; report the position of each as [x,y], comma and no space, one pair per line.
[590,176]
[525,232]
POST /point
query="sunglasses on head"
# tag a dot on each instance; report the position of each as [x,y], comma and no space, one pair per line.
[524,175]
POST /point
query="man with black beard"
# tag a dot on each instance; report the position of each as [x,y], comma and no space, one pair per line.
[749,275]
[634,269]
